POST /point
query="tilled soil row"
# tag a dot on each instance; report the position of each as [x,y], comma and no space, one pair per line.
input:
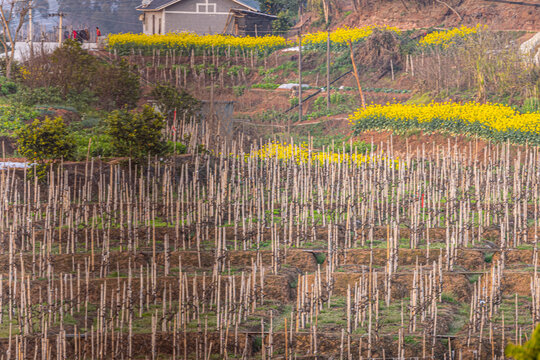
[301,260]
[275,287]
[168,345]
[185,236]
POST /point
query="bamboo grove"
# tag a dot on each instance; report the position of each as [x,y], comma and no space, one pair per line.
[223,254]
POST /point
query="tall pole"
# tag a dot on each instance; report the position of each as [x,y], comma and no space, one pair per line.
[299,76]
[327,69]
[60,28]
[30,30]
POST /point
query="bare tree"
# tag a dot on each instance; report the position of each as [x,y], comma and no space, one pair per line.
[13,16]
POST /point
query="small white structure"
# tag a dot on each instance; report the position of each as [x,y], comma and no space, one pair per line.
[530,49]
[13,165]
[292,86]
[22,49]
[197,16]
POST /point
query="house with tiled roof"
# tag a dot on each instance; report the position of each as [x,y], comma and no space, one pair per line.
[204,17]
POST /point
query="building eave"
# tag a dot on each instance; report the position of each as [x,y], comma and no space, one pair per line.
[164,6]
[245,5]
[160,7]
[256,13]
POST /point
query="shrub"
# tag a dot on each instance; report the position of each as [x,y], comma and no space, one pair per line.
[293,101]
[239,90]
[320,258]
[169,99]
[257,344]
[234,70]
[116,86]
[45,141]
[531,104]
[361,147]
[490,68]
[448,298]
[176,148]
[75,76]
[73,68]
[7,87]
[90,121]
[12,118]
[528,351]
[40,95]
[282,24]
[100,145]
[136,134]
[81,100]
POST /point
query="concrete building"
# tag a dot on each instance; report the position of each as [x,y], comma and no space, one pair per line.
[197,16]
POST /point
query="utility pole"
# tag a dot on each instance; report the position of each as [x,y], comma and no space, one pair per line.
[328,69]
[30,30]
[61,18]
[299,77]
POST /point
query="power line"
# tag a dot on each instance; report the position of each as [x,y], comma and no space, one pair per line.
[112,19]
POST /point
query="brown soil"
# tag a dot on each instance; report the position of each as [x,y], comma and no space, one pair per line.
[419,142]
[498,15]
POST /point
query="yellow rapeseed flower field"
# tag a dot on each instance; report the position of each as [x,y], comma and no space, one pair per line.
[301,154]
[446,38]
[188,41]
[493,121]
[342,36]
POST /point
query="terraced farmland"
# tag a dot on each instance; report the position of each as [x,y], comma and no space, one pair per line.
[264,255]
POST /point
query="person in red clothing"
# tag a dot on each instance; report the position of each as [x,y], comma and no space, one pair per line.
[98,32]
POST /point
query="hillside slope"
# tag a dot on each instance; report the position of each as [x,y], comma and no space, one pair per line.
[497,14]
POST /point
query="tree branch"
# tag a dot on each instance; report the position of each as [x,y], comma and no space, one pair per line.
[451,8]
[20,8]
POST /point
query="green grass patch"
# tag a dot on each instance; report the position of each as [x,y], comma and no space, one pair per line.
[320,258]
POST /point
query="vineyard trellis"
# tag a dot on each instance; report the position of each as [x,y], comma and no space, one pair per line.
[243,253]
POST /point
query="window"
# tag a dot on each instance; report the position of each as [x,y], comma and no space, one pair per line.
[206,7]
[153,24]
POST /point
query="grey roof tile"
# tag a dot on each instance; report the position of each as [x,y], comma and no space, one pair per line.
[251,3]
[157,4]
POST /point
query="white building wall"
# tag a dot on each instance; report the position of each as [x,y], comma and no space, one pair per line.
[153,22]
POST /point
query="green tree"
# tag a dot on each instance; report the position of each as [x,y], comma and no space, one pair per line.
[136,134]
[44,142]
[283,23]
[274,7]
[528,351]
[285,10]
[116,86]
[82,78]
[169,99]
[73,68]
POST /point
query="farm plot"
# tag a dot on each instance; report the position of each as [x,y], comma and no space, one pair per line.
[491,121]
[278,252]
